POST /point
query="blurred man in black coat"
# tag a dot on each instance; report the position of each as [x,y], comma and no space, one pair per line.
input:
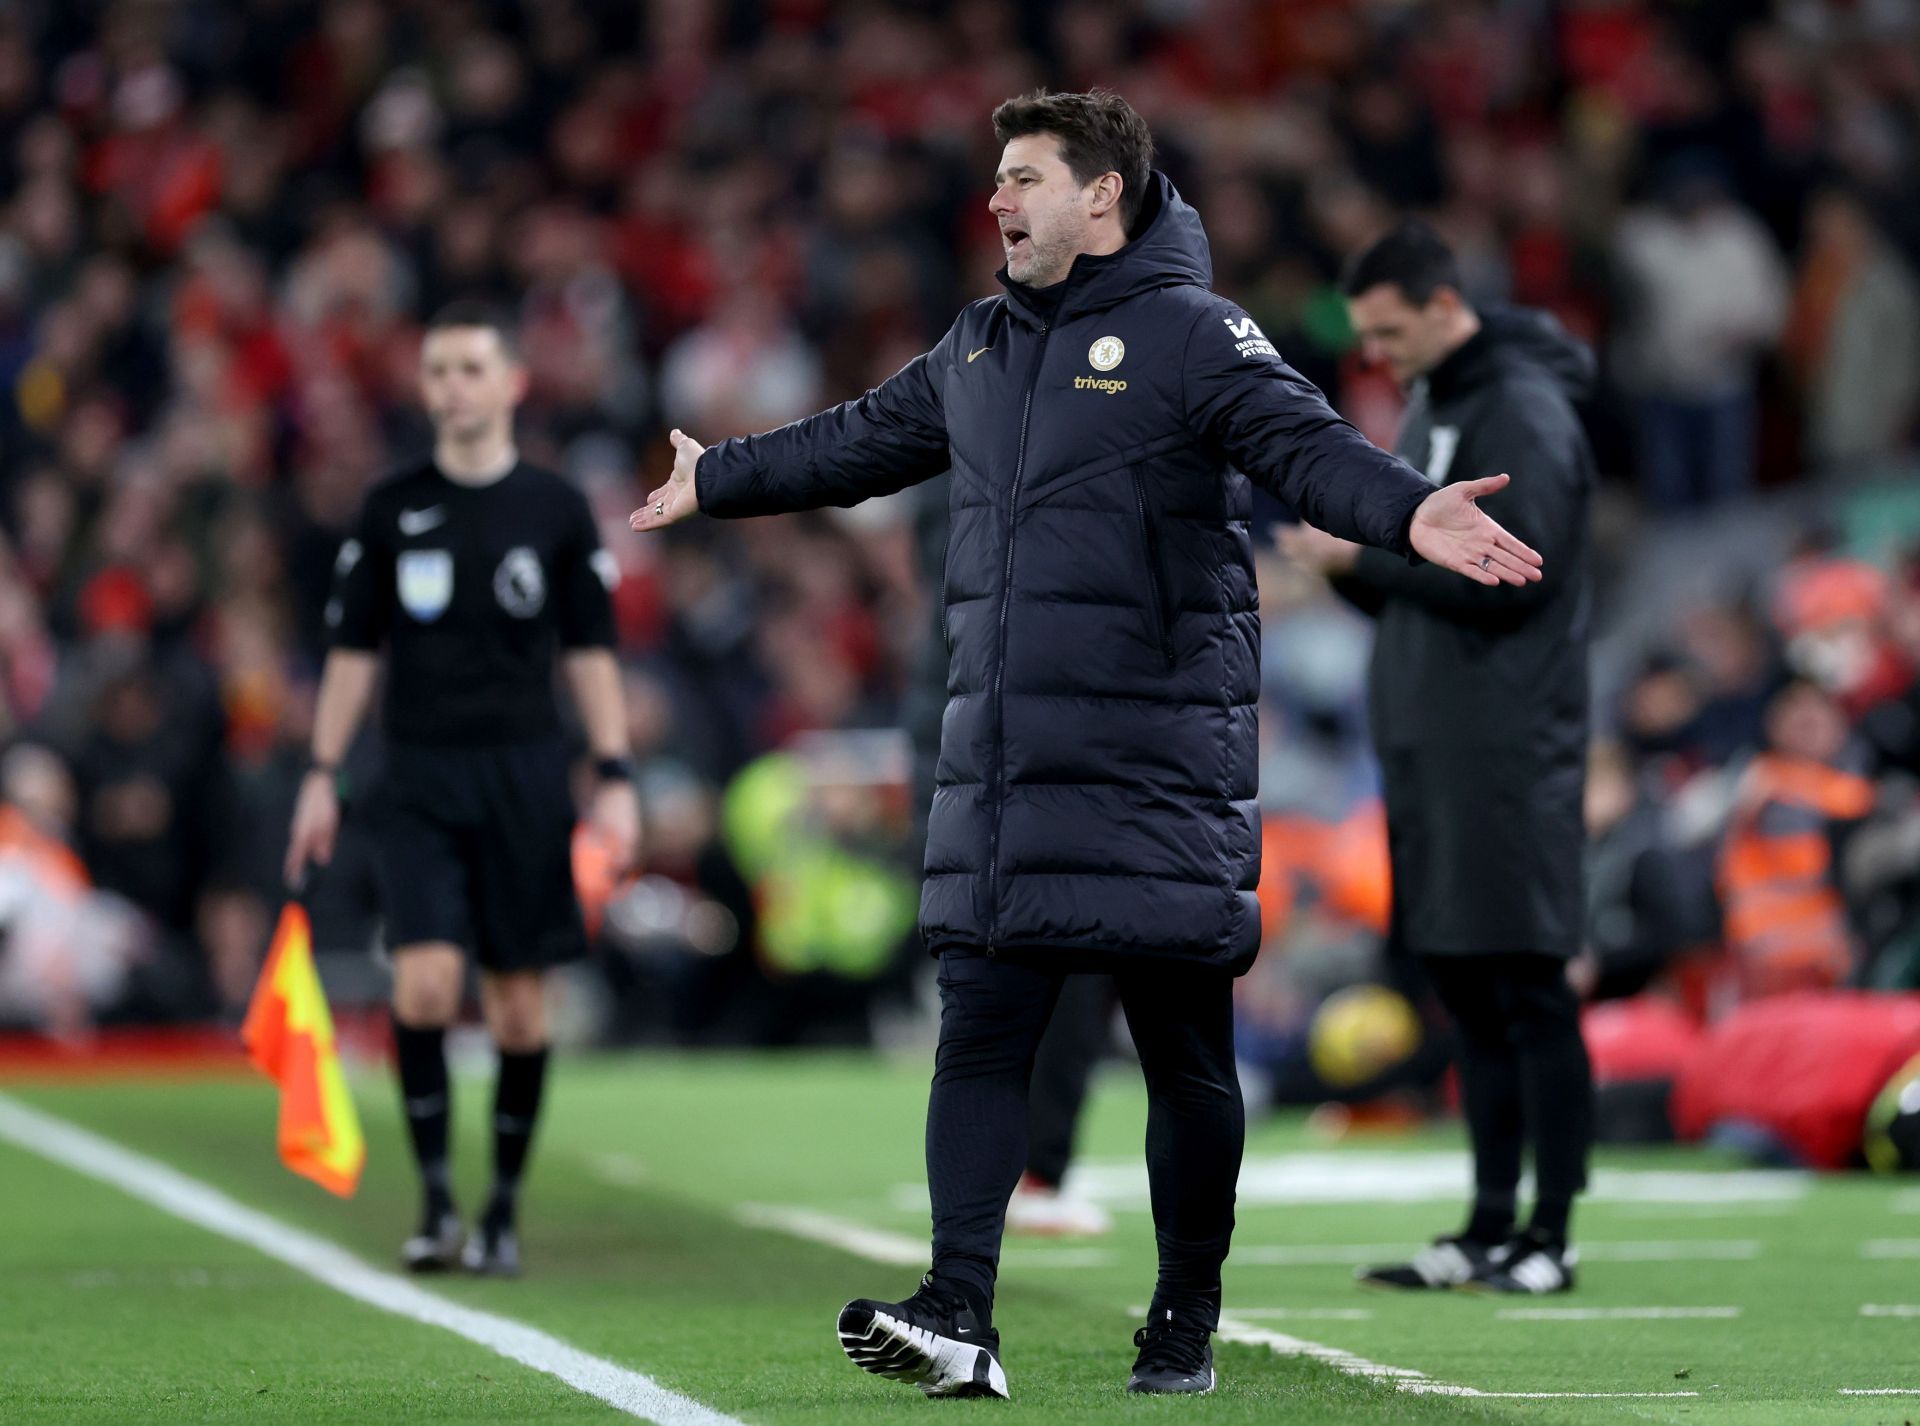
[1479,707]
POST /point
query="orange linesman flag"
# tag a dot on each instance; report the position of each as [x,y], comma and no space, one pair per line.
[289,1035]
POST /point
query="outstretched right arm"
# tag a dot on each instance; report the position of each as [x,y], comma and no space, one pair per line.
[890,438]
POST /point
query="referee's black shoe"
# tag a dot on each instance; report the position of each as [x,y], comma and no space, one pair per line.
[1443,1263]
[494,1248]
[436,1247]
[934,1340]
[1176,1357]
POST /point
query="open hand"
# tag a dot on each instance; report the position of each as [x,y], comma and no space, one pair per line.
[615,813]
[677,499]
[316,825]
[1449,529]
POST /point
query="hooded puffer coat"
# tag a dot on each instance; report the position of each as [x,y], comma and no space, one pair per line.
[1098,754]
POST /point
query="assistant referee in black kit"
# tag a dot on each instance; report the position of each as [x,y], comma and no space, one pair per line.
[472,570]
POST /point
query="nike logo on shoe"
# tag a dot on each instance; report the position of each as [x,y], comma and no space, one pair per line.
[972,355]
[418,522]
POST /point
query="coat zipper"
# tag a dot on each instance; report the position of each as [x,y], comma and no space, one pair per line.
[1155,587]
[1000,664]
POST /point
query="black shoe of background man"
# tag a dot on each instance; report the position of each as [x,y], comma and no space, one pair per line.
[1530,1264]
[935,1340]
[1176,1356]
[1444,1263]
[436,1247]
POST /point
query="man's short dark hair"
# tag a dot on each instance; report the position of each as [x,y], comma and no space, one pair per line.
[1099,132]
[1412,257]
[477,312]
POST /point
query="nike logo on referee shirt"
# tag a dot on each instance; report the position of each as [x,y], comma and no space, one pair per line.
[972,355]
[418,522]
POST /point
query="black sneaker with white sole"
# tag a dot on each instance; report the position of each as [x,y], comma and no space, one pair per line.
[934,1340]
[1176,1357]
[436,1247]
[1443,1263]
[1531,1266]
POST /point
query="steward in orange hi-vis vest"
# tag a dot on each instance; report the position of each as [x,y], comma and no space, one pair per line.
[1785,922]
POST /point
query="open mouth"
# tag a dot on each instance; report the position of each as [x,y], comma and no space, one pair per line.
[1014,239]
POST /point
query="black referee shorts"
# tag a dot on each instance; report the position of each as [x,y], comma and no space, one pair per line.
[474,846]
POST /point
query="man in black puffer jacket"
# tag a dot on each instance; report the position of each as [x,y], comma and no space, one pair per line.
[1479,710]
[1095,802]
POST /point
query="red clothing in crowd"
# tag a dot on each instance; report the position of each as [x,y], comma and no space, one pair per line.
[1806,1067]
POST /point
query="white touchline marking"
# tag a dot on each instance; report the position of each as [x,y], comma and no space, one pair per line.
[1057,1257]
[1891,1309]
[1880,1391]
[877,1245]
[1761,1209]
[1331,1254]
[1680,1251]
[1289,1255]
[620,1170]
[1232,1329]
[1890,1248]
[1905,1201]
[1579,1395]
[1344,1177]
[205,1206]
[1610,1314]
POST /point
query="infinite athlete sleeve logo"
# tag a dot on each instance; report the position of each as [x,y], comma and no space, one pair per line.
[1248,339]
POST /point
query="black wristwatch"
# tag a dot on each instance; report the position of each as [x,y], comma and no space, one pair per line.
[613,769]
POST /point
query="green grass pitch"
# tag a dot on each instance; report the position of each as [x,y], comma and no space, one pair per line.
[637,1250]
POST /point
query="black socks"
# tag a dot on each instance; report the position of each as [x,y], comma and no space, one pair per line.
[422,1054]
[516,1105]
[1550,1221]
[1491,1223]
[427,1100]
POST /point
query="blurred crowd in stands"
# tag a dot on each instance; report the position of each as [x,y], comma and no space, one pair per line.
[223,221]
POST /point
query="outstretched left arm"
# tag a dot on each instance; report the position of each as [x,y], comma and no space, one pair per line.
[1266,419]
[1544,505]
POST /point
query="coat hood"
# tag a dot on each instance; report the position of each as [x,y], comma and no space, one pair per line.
[1522,334]
[1169,250]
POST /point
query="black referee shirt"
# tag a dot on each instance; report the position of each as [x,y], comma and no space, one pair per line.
[472,588]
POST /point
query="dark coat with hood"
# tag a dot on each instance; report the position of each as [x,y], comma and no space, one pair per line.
[1479,693]
[1095,791]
